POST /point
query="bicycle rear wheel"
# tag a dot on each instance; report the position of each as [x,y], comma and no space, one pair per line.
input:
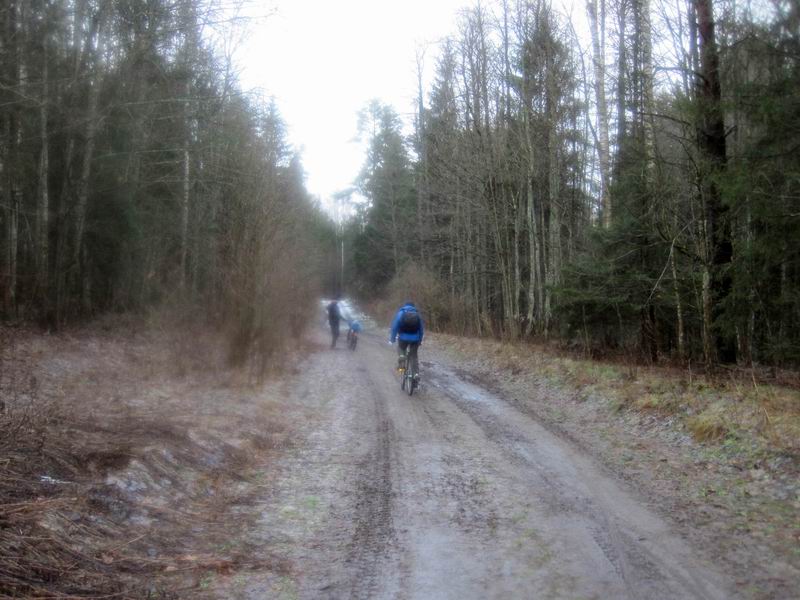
[404,366]
[410,384]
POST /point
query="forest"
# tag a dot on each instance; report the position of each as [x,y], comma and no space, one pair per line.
[631,190]
[135,172]
[595,206]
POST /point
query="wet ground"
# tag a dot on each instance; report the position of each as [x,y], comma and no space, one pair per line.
[451,493]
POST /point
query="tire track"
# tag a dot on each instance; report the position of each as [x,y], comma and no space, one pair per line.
[374,533]
[641,573]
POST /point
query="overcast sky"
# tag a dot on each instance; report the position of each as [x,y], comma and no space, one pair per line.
[323,60]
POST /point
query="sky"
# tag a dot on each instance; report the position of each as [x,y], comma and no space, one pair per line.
[323,60]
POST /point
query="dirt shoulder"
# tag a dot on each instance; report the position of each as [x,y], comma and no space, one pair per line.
[128,455]
[736,494]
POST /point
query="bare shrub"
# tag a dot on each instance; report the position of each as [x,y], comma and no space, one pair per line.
[271,283]
[441,310]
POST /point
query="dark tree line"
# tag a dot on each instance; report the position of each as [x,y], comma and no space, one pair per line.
[636,192]
[133,170]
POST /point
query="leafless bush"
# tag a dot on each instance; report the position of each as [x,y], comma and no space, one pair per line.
[441,310]
[271,285]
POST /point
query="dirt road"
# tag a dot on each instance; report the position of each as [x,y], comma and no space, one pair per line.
[453,493]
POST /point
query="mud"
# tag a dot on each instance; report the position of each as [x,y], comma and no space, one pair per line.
[452,493]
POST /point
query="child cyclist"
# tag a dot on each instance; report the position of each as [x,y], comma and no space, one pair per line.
[354,325]
[408,330]
[352,332]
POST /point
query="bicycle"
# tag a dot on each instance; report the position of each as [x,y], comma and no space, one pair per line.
[352,339]
[409,379]
[352,334]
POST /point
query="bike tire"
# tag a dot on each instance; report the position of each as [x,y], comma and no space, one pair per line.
[410,383]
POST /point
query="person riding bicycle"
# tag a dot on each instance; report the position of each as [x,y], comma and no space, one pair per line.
[354,329]
[408,329]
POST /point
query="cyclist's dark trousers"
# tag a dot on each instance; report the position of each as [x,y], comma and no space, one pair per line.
[412,352]
[334,332]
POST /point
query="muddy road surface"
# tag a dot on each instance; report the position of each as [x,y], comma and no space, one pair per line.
[452,493]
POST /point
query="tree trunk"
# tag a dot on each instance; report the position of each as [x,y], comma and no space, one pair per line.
[533,308]
[80,266]
[648,102]
[518,217]
[678,308]
[422,169]
[43,208]
[185,211]
[12,139]
[621,84]
[597,27]
[83,182]
[711,142]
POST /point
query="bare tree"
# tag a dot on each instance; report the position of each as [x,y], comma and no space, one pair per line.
[596,11]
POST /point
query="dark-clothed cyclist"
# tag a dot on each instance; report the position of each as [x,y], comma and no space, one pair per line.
[408,330]
[334,315]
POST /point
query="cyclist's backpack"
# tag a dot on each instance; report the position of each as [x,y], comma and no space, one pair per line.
[409,322]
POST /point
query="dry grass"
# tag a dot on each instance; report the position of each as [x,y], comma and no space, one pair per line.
[40,494]
[707,426]
[719,455]
[117,479]
[711,408]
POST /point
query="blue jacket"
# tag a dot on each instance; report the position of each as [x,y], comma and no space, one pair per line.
[405,337]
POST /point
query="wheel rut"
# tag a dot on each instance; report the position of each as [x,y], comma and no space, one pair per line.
[374,532]
[454,493]
[556,479]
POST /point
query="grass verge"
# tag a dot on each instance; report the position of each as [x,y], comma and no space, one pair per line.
[721,458]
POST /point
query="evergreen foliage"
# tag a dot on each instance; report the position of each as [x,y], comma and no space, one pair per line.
[686,248]
[133,172]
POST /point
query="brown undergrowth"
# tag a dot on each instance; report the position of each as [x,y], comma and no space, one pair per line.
[711,408]
[128,457]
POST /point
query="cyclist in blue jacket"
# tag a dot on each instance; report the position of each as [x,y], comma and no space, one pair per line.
[408,330]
